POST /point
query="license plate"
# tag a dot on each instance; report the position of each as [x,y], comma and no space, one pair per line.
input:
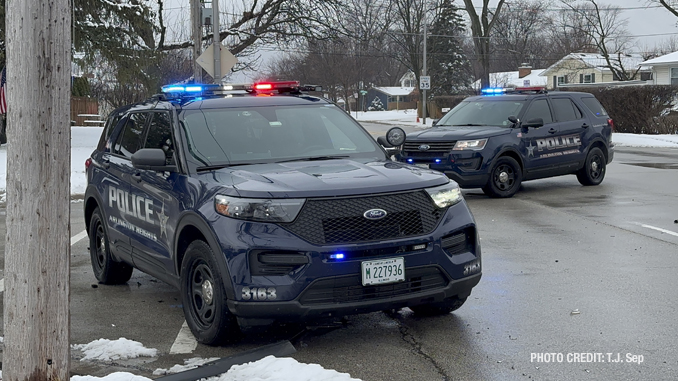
[383,271]
[422,165]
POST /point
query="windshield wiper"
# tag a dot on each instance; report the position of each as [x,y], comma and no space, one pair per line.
[314,158]
[469,125]
[207,168]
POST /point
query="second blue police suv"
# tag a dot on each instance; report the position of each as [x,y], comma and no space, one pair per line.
[498,140]
[264,204]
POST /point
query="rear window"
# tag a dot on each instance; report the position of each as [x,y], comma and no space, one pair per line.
[594,106]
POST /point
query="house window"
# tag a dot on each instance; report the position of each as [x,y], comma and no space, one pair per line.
[562,80]
[587,78]
[674,75]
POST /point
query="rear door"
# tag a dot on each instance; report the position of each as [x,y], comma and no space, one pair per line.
[571,129]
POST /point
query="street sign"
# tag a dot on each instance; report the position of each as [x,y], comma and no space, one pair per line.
[363,92]
[206,60]
[425,82]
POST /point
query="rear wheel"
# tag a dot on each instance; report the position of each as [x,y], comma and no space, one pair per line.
[204,297]
[593,171]
[106,269]
[440,308]
[505,178]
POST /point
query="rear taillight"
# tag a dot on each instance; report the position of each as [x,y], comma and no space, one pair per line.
[610,123]
[88,162]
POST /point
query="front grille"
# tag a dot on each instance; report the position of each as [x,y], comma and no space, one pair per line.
[346,289]
[435,147]
[341,220]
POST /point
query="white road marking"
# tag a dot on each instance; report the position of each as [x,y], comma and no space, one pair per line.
[660,230]
[75,239]
[185,341]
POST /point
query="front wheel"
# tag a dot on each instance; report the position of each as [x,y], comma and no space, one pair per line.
[204,297]
[106,269]
[440,308]
[505,178]
[593,171]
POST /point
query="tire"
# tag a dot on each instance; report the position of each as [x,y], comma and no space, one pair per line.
[505,178]
[440,308]
[593,171]
[204,297]
[106,269]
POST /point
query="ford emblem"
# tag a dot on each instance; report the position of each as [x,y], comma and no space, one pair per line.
[424,147]
[375,214]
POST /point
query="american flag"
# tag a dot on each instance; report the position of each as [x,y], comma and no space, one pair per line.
[3,100]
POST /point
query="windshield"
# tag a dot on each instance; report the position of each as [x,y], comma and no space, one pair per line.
[274,134]
[487,112]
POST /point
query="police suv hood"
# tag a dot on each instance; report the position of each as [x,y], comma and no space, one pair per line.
[338,177]
[457,133]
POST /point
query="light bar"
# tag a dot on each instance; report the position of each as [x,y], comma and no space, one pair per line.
[493,90]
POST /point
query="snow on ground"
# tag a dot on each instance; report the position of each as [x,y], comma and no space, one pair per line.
[189,364]
[108,350]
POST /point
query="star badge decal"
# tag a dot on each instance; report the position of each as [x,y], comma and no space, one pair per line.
[530,149]
[163,221]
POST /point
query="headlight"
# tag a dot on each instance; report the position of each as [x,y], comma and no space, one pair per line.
[257,209]
[475,145]
[446,195]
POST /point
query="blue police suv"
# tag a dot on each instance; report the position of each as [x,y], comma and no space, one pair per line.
[495,142]
[264,203]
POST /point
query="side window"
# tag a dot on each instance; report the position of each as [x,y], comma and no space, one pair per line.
[539,109]
[565,109]
[592,104]
[130,138]
[160,135]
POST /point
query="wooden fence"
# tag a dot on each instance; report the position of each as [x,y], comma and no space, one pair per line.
[85,112]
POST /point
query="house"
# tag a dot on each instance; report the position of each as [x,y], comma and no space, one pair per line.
[393,98]
[592,68]
[664,69]
[524,77]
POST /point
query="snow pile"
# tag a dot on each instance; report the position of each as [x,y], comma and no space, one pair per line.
[635,140]
[117,376]
[271,368]
[107,350]
[189,364]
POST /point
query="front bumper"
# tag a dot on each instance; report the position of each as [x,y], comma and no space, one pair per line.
[467,168]
[442,264]
[296,310]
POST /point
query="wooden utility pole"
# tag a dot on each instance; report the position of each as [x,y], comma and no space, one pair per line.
[37,249]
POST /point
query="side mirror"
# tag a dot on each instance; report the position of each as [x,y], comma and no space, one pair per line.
[536,123]
[152,159]
[435,121]
[382,140]
[395,136]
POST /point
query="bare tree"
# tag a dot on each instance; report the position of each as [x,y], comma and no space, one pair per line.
[606,30]
[520,35]
[481,29]
[671,6]
[37,251]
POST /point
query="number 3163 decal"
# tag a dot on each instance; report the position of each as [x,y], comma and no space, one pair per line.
[258,293]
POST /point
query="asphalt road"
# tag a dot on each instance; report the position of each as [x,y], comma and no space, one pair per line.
[569,272]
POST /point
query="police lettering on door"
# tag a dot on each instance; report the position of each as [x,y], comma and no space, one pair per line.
[557,142]
[134,206]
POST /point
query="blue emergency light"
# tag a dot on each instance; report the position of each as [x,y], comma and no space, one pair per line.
[337,256]
[493,90]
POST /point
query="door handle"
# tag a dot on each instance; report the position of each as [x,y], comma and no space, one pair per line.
[137,177]
[552,131]
[584,125]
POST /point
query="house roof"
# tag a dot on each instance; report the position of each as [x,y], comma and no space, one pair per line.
[511,79]
[395,90]
[597,61]
[670,58]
